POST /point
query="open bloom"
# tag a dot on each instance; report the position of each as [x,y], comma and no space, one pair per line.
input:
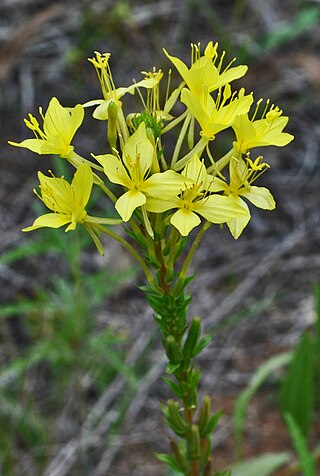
[68,203]
[261,132]
[206,74]
[59,126]
[133,172]
[214,116]
[242,175]
[196,199]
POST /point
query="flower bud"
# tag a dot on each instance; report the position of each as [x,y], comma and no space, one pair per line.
[173,350]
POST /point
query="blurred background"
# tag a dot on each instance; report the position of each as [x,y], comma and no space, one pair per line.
[80,360]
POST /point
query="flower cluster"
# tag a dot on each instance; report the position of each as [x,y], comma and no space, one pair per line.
[180,188]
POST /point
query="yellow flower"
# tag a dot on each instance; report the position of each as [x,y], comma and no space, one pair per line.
[262,132]
[214,116]
[59,126]
[110,93]
[205,74]
[68,203]
[242,175]
[196,200]
[133,172]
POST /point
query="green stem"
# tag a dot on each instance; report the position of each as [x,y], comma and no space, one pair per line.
[198,149]
[189,257]
[133,252]
[175,122]
[180,139]
[107,191]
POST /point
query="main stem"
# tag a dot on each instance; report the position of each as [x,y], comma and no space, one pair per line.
[180,342]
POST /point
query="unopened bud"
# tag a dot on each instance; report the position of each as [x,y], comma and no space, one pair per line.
[194,443]
[173,350]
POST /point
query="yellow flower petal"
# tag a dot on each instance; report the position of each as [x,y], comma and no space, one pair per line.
[185,220]
[128,202]
[114,169]
[261,197]
[164,185]
[50,220]
[218,209]
[82,184]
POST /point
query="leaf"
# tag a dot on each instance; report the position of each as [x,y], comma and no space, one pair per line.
[202,344]
[170,461]
[263,465]
[297,391]
[317,340]
[305,458]
[266,369]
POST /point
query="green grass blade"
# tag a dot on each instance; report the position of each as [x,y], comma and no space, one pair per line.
[263,465]
[305,458]
[297,390]
[266,369]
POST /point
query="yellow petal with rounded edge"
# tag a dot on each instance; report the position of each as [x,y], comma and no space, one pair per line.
[101,112]
[261,197]
[114,169]
[164,185]
[156,205]
[218,209]
[185,220]
[82,184]
[50,220]
[237,225]
[128,202]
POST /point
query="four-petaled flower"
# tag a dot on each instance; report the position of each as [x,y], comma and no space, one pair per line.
[59,126]
[242,174]
[196,199]
[133,172]
[204,76]
[214,116]
[68,204]
[261,132]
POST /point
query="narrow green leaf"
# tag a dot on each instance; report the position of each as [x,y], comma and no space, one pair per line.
[297,391]
[263,372]
[317,340]
[202,344]
[170,461]
[299,441]
[263,465]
